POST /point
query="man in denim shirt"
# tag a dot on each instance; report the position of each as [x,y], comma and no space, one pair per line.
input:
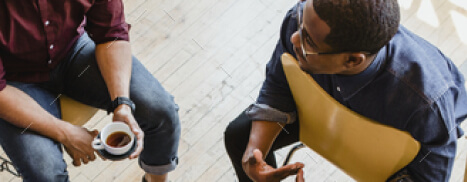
[358,53]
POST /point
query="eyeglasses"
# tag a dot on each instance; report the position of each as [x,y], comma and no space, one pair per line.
[305,37]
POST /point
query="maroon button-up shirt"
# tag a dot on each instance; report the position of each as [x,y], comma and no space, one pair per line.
[36,35]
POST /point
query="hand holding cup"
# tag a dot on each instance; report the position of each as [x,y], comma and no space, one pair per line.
[116,139]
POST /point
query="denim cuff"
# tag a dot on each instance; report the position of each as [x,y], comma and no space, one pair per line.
[263,112]
[159,170]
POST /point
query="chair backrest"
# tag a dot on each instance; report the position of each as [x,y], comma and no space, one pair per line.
[364,149]
[75,112]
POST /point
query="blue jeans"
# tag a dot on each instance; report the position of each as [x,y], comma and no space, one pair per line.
[38,158]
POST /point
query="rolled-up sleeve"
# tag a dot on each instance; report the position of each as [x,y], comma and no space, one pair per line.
[2,76]
[263,112]
[105,21]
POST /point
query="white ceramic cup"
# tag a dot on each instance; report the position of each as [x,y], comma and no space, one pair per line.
[101,143]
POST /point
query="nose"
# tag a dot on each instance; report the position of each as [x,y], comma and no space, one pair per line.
[295,39]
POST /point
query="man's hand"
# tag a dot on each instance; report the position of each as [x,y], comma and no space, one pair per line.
[300,177]
[123,113]
[257,169]
[77,144]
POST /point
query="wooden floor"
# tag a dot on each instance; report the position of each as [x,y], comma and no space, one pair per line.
[211,55]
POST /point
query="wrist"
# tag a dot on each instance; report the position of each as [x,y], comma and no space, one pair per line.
[249,166]
[62,128]
[123,107]
[121,103]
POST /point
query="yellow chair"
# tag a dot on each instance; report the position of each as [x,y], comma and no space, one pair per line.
[364,149]
[75,112]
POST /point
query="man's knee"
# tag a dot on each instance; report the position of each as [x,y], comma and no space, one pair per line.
[43,168]
[37,158]
[229,135]
[160,115]
[237,133]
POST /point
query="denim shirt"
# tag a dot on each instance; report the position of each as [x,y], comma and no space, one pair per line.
[410,85]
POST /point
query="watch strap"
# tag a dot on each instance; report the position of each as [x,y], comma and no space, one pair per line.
[119,101]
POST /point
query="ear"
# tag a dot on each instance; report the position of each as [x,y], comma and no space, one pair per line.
[355,60]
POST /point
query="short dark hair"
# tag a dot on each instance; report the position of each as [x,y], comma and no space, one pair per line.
[359,25]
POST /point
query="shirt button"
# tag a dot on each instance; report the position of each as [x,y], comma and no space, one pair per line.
[47,23]
[51,46]
[50,62]
[338,89]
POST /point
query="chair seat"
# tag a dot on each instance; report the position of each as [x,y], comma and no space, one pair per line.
[364,149]
[75,112]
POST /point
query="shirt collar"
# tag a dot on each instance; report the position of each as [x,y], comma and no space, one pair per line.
[351,85]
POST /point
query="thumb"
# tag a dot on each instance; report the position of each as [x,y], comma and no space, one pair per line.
[94,133]
[257,155]
[299,177]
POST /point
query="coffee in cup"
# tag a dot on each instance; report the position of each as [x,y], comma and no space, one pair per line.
[116,138]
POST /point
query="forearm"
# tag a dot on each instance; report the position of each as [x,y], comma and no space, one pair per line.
[17,108]
[114,60]
[262,136]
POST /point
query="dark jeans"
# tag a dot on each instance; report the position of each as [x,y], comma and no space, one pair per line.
[39,158]
[236,138]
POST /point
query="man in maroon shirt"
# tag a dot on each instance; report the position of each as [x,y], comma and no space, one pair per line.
[77,48]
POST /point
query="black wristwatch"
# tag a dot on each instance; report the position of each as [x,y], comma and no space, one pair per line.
[119,101]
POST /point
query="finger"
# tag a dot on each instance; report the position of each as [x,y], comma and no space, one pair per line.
[76,161]
[140,142]
[85,159]
[134,126]
[139,148]
[94,133]
[139,134]
[288,170]
[92,157]
[299,177]
[89,150]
